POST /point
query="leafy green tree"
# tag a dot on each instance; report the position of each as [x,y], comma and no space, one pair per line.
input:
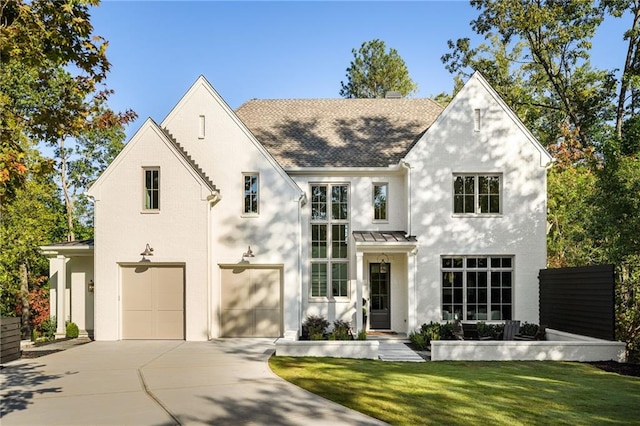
[374,71]
[52,87]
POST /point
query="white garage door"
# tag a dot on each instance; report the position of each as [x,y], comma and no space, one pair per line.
[250,303]
[153,302]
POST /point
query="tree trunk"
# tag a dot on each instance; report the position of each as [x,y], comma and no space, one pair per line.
[68,202]
[24,295]
[632,51]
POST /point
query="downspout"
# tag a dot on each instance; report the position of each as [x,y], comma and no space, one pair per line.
[302,201]
[407,166]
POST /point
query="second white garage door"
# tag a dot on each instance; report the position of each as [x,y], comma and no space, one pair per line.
[153,302]
[250,302]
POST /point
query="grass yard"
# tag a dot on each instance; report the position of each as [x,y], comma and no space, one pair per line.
[470,392]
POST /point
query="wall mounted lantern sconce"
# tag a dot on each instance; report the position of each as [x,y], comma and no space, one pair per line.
[148,251]
[248,253]
[90,286]
[383,263]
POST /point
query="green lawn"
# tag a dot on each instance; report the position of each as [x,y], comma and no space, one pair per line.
[487,393]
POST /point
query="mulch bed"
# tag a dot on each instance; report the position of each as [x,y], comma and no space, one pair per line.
[38,354]
[625,369]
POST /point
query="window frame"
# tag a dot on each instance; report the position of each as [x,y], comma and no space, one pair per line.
[147,204]
[494,272]
[250,213]
[386,202]
[477,195]
[329,257]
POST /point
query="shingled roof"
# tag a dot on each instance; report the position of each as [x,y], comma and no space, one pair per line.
[338,132]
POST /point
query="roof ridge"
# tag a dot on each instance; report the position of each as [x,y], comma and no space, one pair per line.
[187,157]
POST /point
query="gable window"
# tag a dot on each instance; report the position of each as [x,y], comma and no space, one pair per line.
[380,197]
[251,193]
[477,287]
[201,127]
[476,120]
[151,188]
[476,194]
[329,241]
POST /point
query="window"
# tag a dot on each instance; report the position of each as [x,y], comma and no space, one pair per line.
[476,194]
[329,241]
[477,288]
[476,120]
[380,201]
[151,189]
[251,195]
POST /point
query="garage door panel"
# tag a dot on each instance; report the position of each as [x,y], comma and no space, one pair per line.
[136,291]
[138,324]
[237,323]
[250,302]
[266,288]
[235,293]
[153,302]
[267,322]
[169,324]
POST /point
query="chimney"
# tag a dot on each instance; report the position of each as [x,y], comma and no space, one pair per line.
[393,94]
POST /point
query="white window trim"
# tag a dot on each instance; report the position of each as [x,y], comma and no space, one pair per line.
[373,192]
[328,297]
[489,269]
[475,214]
[144,209]
[250,214]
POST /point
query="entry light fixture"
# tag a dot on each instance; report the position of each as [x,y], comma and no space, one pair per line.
[248,253]
[148,251]
[90,286]
[383,263]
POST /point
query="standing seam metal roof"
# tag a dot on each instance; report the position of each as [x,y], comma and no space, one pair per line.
[338,132]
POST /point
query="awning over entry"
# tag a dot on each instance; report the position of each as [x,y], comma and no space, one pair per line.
[368,241]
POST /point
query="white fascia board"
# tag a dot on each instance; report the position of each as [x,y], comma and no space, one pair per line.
[202,81]
[386,247]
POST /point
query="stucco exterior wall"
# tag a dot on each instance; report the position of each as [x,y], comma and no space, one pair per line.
[225,152]
[500,146]
[177,232]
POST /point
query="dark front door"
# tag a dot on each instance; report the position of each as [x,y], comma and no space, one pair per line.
[380,307]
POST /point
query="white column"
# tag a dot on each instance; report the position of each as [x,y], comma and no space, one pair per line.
[78,289]
[61,295]
[412,290]
[359,283]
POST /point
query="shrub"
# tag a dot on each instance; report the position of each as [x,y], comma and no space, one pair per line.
[528,329]
[341,331]
[492,331]
[72,330]
[419,340]
[315,327]
[362,335]
[48,328]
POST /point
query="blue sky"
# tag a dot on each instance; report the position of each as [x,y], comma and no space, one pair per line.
[279,49]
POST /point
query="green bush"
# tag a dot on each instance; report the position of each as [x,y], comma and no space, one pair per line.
[314,327]
[493,331]
[419,340]
[362,335]
[48,329]
[341,331]
[72,330]
[528,329]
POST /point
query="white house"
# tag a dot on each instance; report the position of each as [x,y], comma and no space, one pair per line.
[220,223]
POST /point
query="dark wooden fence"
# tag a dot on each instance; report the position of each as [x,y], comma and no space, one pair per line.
[579,300]
[9,339]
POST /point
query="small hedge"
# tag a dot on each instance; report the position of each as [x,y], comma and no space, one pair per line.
[72,330]
[317,328]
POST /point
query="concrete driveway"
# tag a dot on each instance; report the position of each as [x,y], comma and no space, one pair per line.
[221,382]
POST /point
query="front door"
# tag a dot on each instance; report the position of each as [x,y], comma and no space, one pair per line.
[379,274]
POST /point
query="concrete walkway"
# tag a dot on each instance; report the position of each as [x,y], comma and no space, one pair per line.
[393,348]
[222,382]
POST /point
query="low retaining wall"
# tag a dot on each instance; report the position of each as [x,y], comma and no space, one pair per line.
[328,348]
[560,347]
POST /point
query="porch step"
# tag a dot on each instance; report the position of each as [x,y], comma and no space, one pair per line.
[397,351]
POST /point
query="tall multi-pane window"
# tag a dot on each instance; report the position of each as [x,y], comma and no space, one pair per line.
[476,194]
[151,196]
[477,287]
[380,198]
[329,241]
[251,193]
